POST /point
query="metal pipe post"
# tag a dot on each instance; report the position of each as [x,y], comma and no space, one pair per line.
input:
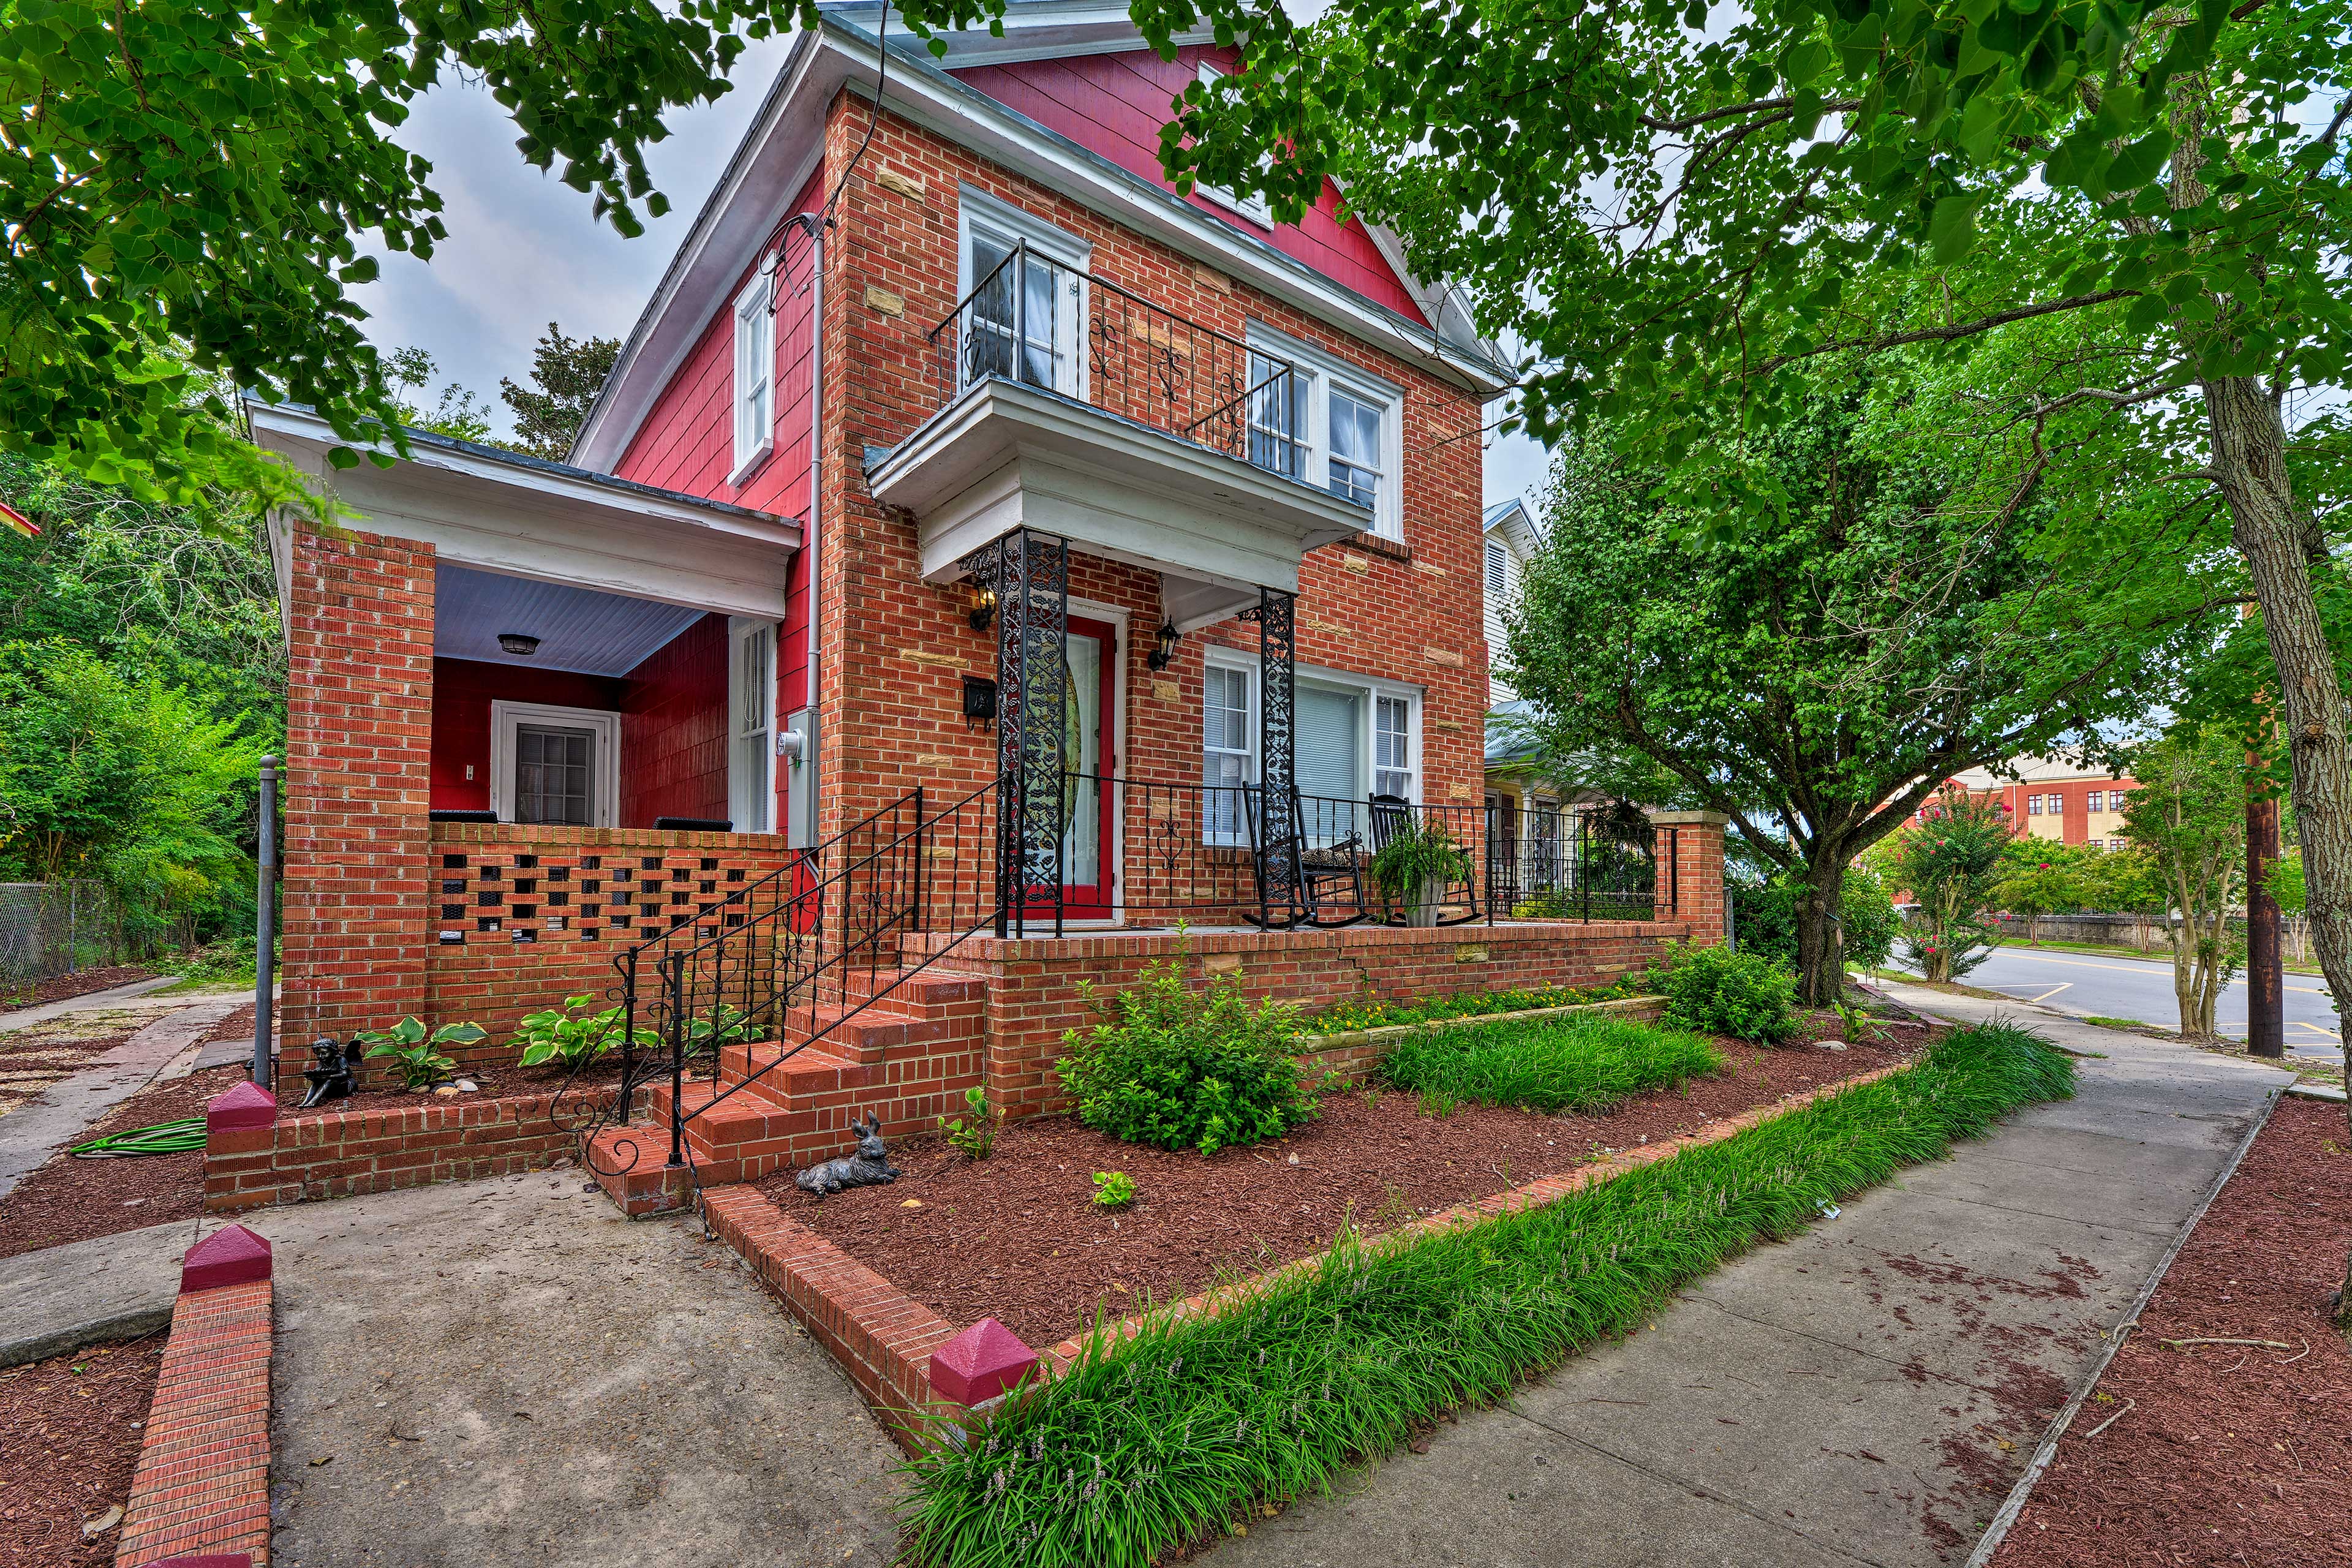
[265,929]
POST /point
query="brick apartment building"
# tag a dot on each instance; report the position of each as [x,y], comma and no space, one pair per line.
[955,453]
[2053,799]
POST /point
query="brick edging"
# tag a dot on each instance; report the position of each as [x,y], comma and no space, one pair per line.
[883,1338]
[203,1482]
[1543,1190]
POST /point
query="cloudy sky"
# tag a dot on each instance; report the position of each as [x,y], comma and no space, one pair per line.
[522,250]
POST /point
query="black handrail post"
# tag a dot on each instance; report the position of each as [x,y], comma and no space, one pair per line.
[629,1032]
[1584,862]
[922,872]
[674,964]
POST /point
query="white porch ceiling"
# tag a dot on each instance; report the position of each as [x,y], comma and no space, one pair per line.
[580,629]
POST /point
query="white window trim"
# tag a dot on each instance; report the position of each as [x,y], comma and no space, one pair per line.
[1370,687]
[1254,209]
[980,214]
[739,792]
[1322,371]
[755,438]
[504,719]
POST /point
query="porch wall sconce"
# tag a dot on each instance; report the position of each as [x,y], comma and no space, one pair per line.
[983,607]
[520,644]
[1163,651]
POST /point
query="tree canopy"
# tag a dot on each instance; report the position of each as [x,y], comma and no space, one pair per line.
[566,375]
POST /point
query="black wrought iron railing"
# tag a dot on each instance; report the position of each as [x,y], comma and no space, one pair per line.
[1038,322]
[1599,863]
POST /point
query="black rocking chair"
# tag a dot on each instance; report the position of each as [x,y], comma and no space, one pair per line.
[1392,814]
[1327,890]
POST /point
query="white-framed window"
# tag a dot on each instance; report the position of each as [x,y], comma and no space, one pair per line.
[755,375]
[559,766]
[1025,316]
[1338,428]
[751,724]
[1254,209]
[1353,736]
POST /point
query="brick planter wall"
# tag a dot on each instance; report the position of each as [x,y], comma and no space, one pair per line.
[1034,1002]
[338,1154]
[202,1487]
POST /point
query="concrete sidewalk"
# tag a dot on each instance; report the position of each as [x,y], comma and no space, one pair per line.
[1866,1393]
[32,1132]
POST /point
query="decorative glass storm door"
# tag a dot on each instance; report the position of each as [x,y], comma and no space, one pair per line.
[1091,657]
[555,774]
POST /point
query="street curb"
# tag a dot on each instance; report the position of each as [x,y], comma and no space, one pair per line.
[129,1324]
[2014,1504]
[2316,1091]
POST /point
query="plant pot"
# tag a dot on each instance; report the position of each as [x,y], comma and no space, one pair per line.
[1424,913]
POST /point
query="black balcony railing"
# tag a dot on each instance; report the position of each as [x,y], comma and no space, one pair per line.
[1035,321]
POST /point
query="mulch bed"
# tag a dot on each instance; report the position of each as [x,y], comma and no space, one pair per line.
[63,987]
[2227,1454]
[71,1199]
[500,1082]
[70,1432]
[1017,1237]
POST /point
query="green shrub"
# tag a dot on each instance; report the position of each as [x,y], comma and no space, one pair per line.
[1766,914]
[1743,995]
[1181,1068]
[417,1055]
[1154,1440]
[980,1136]
[1114,1189]
[1554,1064]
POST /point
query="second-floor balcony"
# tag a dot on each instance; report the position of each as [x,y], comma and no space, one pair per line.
[1068,402]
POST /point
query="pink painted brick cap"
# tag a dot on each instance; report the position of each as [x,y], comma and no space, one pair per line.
[229,1255]
[247,1105]
[979,1363]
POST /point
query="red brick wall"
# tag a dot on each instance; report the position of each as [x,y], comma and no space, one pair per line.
[463,690]
[1411,613]
[1115,105]
[674,729]
[358,780]
[202,1487]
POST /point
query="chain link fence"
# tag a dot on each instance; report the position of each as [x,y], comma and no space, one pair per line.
[57,928]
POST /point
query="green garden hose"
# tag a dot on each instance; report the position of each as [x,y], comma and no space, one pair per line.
[163,1138]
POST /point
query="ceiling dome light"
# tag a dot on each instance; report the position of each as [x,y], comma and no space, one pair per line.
[521,645]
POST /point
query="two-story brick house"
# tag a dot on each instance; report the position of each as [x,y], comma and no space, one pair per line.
[955,453]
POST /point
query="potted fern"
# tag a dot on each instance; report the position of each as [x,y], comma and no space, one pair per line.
[1416,865]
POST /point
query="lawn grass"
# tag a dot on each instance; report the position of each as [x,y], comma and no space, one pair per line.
[1148,1443]
[1587,1063]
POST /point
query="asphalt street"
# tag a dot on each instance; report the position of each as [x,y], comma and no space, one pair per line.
[2093,985]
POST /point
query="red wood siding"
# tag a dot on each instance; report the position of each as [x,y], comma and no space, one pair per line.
[688,440]
[1115,104]
[674,729]
[463,689]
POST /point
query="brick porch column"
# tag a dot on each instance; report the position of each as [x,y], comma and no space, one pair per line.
[1690,849]
[359,733]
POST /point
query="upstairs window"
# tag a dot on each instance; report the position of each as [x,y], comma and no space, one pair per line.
[1328,424]
[1023,284]
[1253,209]
[755,373]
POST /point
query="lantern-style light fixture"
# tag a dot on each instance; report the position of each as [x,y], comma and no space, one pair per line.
[1163,651]
[983,606]
[522,645]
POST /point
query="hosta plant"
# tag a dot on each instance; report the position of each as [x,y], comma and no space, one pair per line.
[570,1035]
[417,1055]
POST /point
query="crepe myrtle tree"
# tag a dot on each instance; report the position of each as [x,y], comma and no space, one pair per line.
[1819,683]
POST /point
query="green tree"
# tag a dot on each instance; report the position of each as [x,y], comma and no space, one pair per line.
[2188,813]
[566,375]
[2125,882]
[2039,878]
[1765,913]
[1948,862]
[1819,683]
[127,779]
[457,413]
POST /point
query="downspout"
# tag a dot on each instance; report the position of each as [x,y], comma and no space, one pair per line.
[800,741]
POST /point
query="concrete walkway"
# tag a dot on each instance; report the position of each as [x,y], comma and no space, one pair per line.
[34,1132]
[1866,1393]
[507,1372]
[26,1017]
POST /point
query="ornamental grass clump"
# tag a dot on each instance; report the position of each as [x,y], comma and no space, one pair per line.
[1150,1442]
[1590,1063]
[1178,1067]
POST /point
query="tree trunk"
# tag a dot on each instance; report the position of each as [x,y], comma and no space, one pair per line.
[2283,547]
[1821,946]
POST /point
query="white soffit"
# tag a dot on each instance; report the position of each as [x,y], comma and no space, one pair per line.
[580,630]
[502,512]
[1004,456]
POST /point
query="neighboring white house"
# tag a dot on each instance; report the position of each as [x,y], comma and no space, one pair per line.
[1511,543]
